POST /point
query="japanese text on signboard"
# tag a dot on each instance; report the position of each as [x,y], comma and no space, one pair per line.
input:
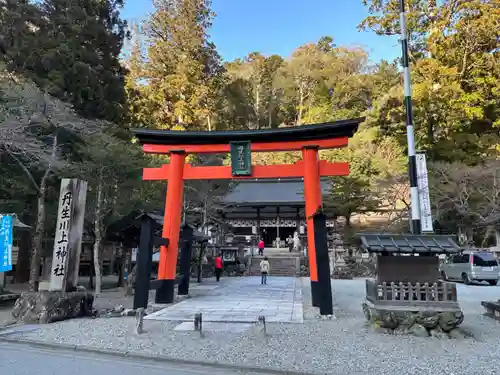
[62,242]
[241,159]
[6,229]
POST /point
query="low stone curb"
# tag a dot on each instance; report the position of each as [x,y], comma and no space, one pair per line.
[164,359]
[222,321]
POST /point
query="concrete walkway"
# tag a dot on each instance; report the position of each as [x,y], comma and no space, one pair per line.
[241,300]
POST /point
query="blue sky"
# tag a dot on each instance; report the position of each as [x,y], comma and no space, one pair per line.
[279,26]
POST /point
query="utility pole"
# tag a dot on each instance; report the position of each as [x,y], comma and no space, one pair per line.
[412,165]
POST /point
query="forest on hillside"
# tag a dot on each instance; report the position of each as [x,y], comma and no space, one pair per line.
[68,101]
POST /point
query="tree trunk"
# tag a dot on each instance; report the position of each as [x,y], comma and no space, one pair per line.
[270,109]
[38,236]
[432,9]
[487,234]
[121,265]
[209,121]
[112,263]
[98,238]
[40,222]
[257,105]
[464,236]
[23,258]
[430,131]
[25,242]
[348,221]
[91,269]
[301,103]
[205,217]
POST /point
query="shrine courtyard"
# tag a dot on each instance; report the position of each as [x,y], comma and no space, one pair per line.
[343,345]
[239,300]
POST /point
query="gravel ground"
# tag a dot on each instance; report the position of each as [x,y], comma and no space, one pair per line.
[340,346]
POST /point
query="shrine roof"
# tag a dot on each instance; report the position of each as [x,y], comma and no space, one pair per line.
[16,223]
[327,130]
[129,226]
[408,243]
[269,193]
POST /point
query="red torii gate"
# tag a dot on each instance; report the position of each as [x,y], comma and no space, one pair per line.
[177,144]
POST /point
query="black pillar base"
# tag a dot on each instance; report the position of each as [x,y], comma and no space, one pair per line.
[325,291]
[144,260]
[183,288]
[185,261]
[165,291]
[315,295]
[323,264]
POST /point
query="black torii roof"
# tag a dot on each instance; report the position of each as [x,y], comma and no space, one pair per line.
[335,129]
[408,243]
[128,228]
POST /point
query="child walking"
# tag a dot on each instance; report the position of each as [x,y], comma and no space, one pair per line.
[264,269]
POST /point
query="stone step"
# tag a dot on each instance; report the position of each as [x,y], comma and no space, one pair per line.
[280,266]
[278,255]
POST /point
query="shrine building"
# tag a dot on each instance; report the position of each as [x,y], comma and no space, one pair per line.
[275,207]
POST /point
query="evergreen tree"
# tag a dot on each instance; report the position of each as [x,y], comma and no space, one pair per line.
[19,23]
[182,72]
[71,49]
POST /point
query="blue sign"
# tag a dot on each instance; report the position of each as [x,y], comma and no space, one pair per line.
[6,225]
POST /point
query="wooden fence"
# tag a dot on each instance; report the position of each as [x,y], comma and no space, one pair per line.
[438,296]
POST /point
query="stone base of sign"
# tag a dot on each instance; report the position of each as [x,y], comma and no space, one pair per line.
[436,324]
[44,285]
[51,306]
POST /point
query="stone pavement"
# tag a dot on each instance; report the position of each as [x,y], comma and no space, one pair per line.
[241,300]
[18,359]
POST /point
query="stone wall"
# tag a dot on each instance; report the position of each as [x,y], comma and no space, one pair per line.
[438,324]
[51,306]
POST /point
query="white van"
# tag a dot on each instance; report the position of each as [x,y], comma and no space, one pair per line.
[471,266]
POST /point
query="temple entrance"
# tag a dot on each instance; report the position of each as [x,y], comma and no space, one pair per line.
[307,139]
[270,234]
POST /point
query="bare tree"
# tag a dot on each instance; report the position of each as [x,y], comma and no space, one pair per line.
[17,120]
[204,199]
[469,194]
[31,128]
[112,167]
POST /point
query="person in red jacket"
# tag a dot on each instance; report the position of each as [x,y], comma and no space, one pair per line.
[218,266]
[261,246]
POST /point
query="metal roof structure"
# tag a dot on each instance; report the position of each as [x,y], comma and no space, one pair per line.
[269,193]
[343,128]
[408,243]
[16,223]
[19,224]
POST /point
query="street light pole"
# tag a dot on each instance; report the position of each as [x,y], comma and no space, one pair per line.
[412,165]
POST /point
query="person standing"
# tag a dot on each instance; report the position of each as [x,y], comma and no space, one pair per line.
[218,267]
[261,246]
[289,241]
[264,270]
